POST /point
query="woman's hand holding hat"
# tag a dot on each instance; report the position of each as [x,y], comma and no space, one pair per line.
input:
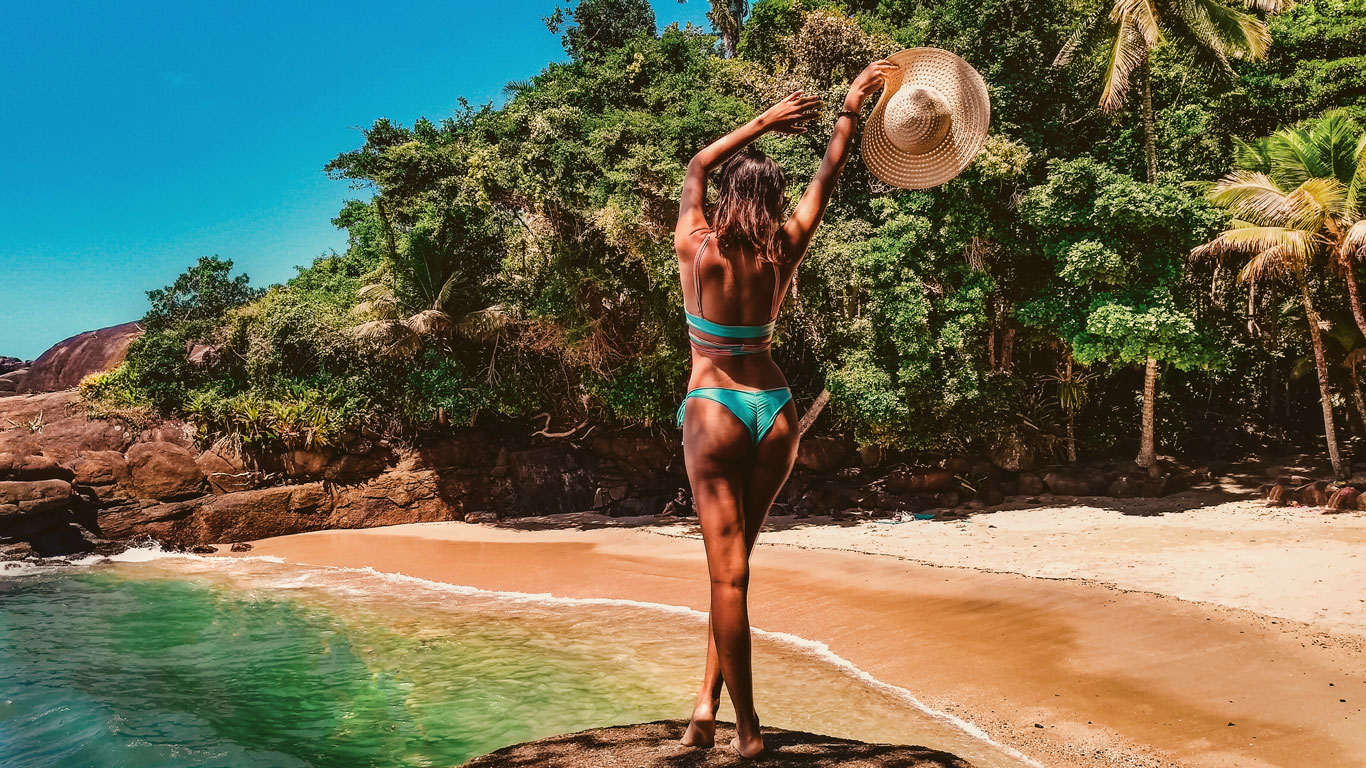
[867,83]
[788,115]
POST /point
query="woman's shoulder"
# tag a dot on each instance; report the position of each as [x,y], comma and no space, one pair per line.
[687,245]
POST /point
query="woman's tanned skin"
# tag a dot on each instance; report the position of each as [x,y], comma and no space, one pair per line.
[733,481]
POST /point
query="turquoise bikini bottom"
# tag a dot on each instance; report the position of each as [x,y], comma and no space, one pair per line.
[756,410]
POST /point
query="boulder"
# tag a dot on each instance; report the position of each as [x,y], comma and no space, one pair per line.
[1343,499]
[823,454]
[31,467]
[1313,494]
[225,473]
[164,471]
[1070,483]
[307,462]
[105,473]
[9,365]
[918,480]
[404,496]
[1013,454]
[65,364]
[12,381]
[655,745]
[1124,487]
[870,455]
[55,425]
[24,497]
[549,481]
[1029,484]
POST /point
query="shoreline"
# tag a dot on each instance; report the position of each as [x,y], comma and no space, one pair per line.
[1068,672]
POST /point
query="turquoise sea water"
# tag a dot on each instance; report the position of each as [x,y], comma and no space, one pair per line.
[212,662]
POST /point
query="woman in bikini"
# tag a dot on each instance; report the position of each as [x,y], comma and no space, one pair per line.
[739,423]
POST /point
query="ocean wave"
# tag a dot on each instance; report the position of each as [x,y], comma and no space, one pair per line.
[302,576]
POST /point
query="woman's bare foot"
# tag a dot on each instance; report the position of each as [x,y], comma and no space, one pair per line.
[702,728]
[749,742]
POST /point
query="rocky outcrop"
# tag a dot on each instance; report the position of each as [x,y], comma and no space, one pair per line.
[163,470]
[655,745]
[66,363]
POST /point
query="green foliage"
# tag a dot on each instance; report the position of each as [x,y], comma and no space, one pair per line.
[594,27]
[510,261]
[202,294]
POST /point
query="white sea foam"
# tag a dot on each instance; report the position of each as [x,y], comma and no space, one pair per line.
[304,576]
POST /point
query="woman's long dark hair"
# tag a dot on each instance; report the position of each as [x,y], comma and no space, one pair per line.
[751,203]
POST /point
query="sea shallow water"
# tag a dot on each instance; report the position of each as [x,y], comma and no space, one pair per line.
[152,660]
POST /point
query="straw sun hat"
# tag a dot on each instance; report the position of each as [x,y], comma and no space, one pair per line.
[930,122]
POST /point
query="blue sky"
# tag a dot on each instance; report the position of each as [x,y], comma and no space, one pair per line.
[139,136]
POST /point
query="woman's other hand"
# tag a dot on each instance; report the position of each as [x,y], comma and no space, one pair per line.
[872,78]
[788,115]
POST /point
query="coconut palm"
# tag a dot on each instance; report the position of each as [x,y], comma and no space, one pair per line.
[1129,30]
[1295,198]
[1306,186]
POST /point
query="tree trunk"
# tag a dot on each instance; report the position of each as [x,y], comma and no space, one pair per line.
[813,412]
[1147,446]
[1149,121]
[1357,398]
[1325,394]
[1071,418]
[1349,274]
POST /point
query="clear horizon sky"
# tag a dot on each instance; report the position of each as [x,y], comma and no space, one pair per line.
[142,136]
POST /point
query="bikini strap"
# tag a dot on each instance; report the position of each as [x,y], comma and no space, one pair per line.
[777,291]
[696,276]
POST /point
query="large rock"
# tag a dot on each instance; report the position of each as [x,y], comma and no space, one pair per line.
[1013,454]
[225,472]
[655,745]
[24,497]
[11,364]
[163,471]
[823,454]
[105,473]
[549,481]
[55,425]
[31,467]
[12,381]
[65,364]
[918,480]
[1075,483]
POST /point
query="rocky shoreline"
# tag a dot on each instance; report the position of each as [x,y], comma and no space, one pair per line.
[73,483]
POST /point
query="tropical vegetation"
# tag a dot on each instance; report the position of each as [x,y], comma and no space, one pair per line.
[515,260]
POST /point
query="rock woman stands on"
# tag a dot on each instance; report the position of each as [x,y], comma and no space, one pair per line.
[739,423]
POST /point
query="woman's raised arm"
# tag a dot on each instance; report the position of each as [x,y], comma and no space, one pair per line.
[786,117]
[801,226]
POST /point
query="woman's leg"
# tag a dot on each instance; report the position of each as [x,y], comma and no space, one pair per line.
[762,474]
[716,450]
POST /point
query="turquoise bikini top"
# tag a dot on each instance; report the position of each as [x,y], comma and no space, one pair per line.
[750,339]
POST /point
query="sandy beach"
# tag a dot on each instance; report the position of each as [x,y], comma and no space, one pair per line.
[1185,631]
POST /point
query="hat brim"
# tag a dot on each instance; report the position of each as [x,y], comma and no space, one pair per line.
[969,106]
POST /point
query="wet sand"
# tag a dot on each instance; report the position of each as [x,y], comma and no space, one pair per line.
[1070,672]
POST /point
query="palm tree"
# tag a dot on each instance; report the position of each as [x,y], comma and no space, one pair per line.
[1309,181]
[727,17]
[1295,196]
[1129,30]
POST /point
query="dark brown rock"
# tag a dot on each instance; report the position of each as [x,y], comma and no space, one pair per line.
[549,481]
[823,454]
[1013,454]
[240,546]
[655,745]
[307,462]
[25,497]
[1029,484]
[163,470]
[918,480]
[1124,487]
[226,473]
[31,467]
[55,425]
[105,473]
[65,364]
[1343,499]
[1313,494]
[1069,483]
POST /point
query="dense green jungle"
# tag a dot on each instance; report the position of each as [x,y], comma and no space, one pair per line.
[1167,219]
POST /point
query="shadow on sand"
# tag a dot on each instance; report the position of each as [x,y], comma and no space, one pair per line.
[655,745]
